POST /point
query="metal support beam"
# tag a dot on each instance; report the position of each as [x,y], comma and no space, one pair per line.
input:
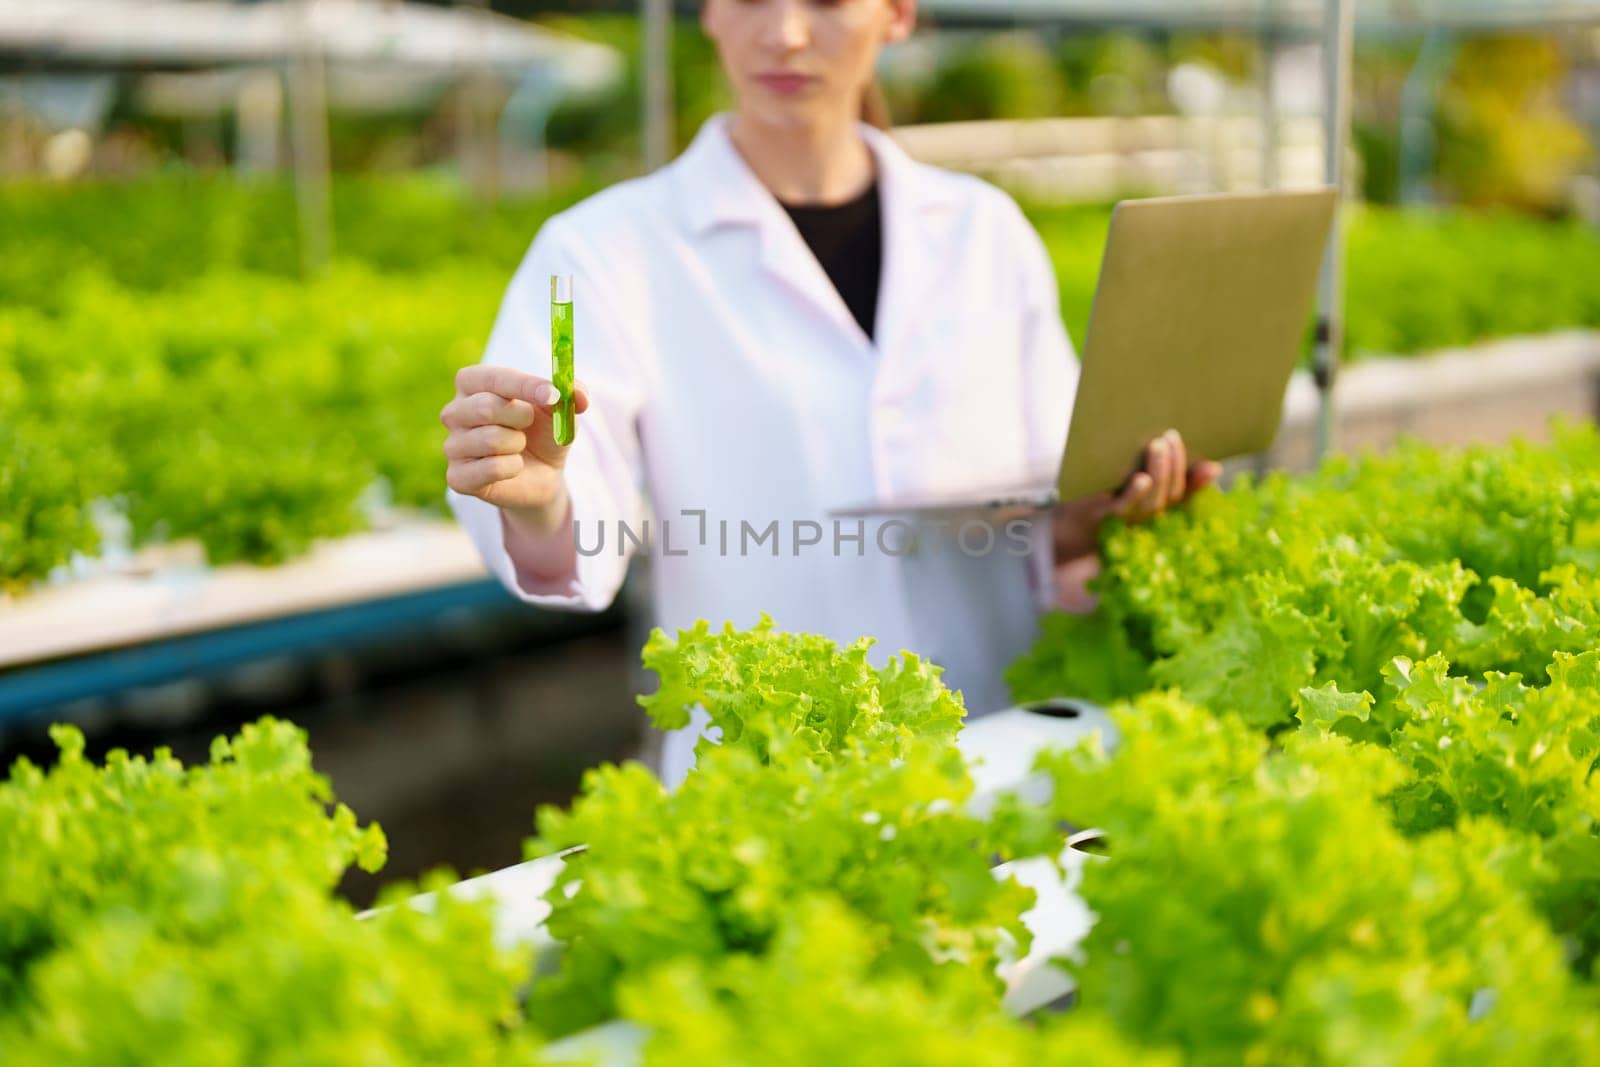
[1267,53]
[308,102]
[1418,138]
[655,57]
[1337,43]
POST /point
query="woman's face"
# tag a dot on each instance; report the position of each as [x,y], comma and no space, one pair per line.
[793,62]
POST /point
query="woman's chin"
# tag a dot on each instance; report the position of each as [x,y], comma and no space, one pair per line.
[792,111]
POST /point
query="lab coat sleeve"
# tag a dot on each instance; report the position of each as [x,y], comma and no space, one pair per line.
[1050,369]
[603,470]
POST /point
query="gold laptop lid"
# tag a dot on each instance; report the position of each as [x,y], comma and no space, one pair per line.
[1202,307]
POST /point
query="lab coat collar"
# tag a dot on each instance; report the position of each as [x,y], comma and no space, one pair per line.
[715,186]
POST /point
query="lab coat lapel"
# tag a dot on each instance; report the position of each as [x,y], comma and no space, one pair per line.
[717,186]
[787,258]
[918,214]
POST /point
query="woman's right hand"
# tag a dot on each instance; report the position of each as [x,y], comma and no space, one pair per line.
[501,447]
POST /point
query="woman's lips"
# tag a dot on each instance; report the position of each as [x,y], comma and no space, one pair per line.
[787,84]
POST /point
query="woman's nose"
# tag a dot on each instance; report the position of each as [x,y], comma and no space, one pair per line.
[788,24]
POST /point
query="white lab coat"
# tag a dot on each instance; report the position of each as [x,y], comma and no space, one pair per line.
[727,376]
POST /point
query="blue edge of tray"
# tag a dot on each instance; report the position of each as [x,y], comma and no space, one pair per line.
[32,691]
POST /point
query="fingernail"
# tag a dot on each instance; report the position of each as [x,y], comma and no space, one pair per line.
[547,394]
[1171,435]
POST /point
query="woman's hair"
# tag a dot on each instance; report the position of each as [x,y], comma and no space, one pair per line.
[875,106]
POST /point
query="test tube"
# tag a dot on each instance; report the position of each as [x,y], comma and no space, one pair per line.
[563,422]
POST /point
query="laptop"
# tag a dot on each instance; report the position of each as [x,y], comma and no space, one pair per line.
[1199,315]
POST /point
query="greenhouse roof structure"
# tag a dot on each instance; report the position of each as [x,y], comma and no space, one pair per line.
[1294,16]
[185,33]
[1373,16]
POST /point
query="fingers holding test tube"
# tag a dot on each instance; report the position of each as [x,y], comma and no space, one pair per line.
[510,430]
[503,396]
[547,395]
[502,446]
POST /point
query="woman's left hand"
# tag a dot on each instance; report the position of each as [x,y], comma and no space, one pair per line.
[1168,478]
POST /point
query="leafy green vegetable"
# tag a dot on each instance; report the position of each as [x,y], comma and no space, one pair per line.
[1259,907]
[1363,824]
[816,999]
[1243,599]
[835,781]
[300,982]
[1325,708]
[151,912]
[252,414]
[148,834]
[766,689]
[1091,657]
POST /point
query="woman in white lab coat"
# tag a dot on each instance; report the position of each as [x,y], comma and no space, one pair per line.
[741,373]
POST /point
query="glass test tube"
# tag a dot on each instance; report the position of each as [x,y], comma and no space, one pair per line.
[563,421]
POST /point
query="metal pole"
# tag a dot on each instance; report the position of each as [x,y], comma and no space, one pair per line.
[476,144]
[1418,99]
[260,128]
[1338,36]
[309,127]
[526,115]
[656,59]
[1268,58]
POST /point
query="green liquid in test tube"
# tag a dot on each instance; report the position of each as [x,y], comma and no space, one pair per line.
[563,421]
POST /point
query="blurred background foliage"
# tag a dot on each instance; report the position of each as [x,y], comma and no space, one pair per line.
[1507,136]
[1498,129]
